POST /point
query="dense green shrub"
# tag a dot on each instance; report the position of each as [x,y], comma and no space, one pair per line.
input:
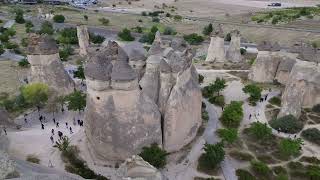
[282,177]
[213,155]
[201,78]
[58,18]
[228,37]
[125,35]
[65,52]
[316,108]
[46,28]
[254,92]
[243,51]
[4,38]
[155,19]
[143,13]
[23,63]
[96,39]
[313,172]
[287,124]
[279,170]
[275,101]
[193,39]
[260,131]
[232,114]
[177,17]
[260,168]
[85,17]
[24,42]
[11,45]
[217,100]
[33,158]
[19,17]
[154,155]
[312,135]
[68,36]
[229,135]
[290,147]
[207,30]
[244,175]
[104,21]
[169,31]
[205,115]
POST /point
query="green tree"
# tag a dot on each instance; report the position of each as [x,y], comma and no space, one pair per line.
[289,147]
[19,17]
[260,168]
[46,28]
[68,36]
[125,35]
[76,101]
[154,155]
[193,39]
[85,17]
[229,135]
[65,52]
[59,18]
[254,92]
[244,175]
[218,86]
[287,124]
[96,39]
[232,114]
[23,63]
[213,155]
[207,30]
[313,172]
[35,94]
[104,21]
[79,73]
[260,131]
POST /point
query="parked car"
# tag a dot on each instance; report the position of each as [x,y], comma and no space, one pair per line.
[275,4]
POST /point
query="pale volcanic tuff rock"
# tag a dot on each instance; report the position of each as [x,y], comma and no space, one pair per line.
[137,57]
[271,64]
[166,83]
[302,89]
[182,116]
[216,50]
[46,67]
[120,118]
[233,53]
[83,38]
[136,168]
[6,164]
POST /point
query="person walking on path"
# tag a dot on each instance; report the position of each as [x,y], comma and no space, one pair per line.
[5,130]
[51,138]
[57,125]
[67,125]
[42,126]
[52,131]
[70,128]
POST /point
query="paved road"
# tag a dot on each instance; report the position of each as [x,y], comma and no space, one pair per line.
[211,138]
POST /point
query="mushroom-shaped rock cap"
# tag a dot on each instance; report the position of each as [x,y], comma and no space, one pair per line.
[165,67]
[179,44]
[135,51]
[121,70]
[41,44]
[219,32]
[98,67]
[235,32]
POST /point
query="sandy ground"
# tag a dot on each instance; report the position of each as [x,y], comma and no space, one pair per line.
[31,139]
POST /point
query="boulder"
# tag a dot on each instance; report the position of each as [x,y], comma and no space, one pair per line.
[83,38]
[135,168]
[302,89]
[182,116]
[46,67]
[233,53]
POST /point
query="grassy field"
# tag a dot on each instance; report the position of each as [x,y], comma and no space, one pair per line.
[282,16]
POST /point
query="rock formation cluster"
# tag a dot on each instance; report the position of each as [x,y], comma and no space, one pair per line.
[217,52]
[46,67]
[301,77]
[124,114]
[272,64]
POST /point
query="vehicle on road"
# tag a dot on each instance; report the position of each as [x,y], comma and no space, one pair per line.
[275,4]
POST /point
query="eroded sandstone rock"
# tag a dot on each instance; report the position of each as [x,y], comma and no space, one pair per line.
[46,67]
[120,119]
[233,53]
[302,89]
[83,38]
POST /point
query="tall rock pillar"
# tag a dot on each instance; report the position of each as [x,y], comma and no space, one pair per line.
[83,37]
[216,51]
[233,53]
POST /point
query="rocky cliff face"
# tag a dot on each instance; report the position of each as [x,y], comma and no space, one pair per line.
[136,168]
[302,89]
[46,67]
[271,64]
[233,53]
[120,118]
[306,52]
[83,37]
